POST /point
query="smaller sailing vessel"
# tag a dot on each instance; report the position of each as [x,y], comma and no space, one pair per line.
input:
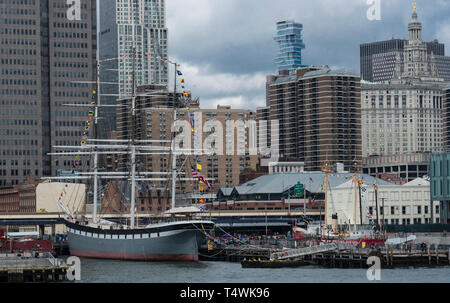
[358,236]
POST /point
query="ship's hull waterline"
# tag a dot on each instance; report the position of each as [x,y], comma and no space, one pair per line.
[169,242]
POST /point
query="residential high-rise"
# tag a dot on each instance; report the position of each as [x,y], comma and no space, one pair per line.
[289,39]
[318,116]
[47,62]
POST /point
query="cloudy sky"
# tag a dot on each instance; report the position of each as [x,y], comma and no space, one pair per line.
[226,47]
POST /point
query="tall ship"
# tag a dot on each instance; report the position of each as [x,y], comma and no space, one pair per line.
[177,234]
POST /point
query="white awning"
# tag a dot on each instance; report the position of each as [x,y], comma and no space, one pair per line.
[395,241]
[183,210]
[23,234]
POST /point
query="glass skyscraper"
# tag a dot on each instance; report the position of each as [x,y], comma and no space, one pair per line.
[289,39]
[124,25]
[141,25]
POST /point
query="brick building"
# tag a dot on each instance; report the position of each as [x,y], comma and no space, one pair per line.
[318,114]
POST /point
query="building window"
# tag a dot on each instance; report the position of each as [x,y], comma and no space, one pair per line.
[392,210]
[403,210]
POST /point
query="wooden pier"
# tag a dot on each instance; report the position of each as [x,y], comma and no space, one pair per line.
[26,268]
[235,253]
[388,259]
[352,258]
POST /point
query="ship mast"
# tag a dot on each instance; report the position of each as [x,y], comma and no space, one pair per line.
[355,180]
[174,155]
[326,170]
[375,187]
[132,142]
[360,200]
[97,100]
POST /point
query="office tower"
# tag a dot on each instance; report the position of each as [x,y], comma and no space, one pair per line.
[47,62]
[405,115]
[108,72]
[290,43]
[440,187]
[319,116]
[446,116]
[379,59]
[124,25]
[141,26]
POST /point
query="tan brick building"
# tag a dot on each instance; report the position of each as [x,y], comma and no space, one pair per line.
[154,120]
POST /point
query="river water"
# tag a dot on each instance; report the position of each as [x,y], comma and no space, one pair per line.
[109,271]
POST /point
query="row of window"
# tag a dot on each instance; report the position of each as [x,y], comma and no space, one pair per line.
[21,2]
[22,112]
[18,82]
[18,61]
[15,92]
[70,44]
[18,142]
[17,31]
[71,94]
[17,21]
[18,102]
[17,11]
[70,35]
[16,162]
[22,52]
[71,24]
[70,55]
[19,152]
[405,210]
[18,122]
[22,72]
[10,41]
[18,132]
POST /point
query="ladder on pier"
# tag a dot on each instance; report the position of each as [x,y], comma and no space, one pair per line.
[299,252]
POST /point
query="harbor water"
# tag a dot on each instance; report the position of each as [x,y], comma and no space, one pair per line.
[110,271]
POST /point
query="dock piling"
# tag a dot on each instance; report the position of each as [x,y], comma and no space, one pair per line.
[437,255]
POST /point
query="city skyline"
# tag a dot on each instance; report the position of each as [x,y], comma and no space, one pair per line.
[230,68]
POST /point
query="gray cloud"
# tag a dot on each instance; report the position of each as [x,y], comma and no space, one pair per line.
[222,42]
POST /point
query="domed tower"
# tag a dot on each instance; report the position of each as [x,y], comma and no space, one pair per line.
[416,61]
[414,26]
